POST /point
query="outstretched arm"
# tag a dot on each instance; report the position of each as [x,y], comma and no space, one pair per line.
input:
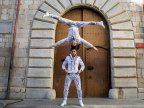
[64,20]
[88,44]
[84,23]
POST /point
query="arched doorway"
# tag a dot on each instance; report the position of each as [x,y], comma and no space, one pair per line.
[96,76]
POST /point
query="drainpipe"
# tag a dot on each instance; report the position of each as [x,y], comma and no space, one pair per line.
[13,48]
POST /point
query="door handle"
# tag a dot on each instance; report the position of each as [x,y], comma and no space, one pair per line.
[90,67]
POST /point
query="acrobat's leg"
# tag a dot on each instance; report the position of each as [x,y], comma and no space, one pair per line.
[59,42]
[84,23]
[88,44]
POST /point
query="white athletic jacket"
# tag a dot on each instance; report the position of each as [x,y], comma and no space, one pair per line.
[73,63]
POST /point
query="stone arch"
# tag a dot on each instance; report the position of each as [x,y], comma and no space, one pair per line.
[40,68]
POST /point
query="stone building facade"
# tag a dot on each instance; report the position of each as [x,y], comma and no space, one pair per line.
[26,62]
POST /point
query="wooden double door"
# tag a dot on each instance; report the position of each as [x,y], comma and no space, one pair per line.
[96,76]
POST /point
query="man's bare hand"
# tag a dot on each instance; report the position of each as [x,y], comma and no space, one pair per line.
[66,70]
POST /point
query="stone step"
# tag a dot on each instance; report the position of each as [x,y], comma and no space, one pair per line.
[73,103]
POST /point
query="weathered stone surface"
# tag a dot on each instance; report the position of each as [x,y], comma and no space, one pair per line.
[42,53]
[43,34]
[2,95]
[18,82]
[40,93]
[109,4]
[124,72]
[40,72]
[40,62]
[122,34]
[18,89]
[123,26]
[76,2]
[18,72]
[15,95]
[90,2]
[46,7]
[5,52]
[123,44]
[123,93]
[4,71]
[66,3]
[41,43]
[124,82]
[141,95]
[124,62]
[3,81]
[40,24]
[99,3]
[38,82]
[115,10]
[124,52]
[141,90]
[20,62]
[21,52]
[121,17]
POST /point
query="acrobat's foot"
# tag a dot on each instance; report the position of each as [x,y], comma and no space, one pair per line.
[51,46]
[95,49]
[46,14]
[102,24]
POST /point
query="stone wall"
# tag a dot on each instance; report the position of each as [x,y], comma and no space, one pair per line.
[32,37]
[7,20]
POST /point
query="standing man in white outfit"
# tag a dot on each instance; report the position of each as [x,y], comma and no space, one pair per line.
[74,37]
[73,61]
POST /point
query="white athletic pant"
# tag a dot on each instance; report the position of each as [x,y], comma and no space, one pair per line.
[77,81]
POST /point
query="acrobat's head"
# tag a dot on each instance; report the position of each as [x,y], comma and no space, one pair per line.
[73,51]
[75,45]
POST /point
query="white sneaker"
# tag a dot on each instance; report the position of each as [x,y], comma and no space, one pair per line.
[102,24]
[63,103]
[46,14]
[81,103]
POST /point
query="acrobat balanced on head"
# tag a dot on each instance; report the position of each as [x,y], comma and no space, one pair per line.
[74,38]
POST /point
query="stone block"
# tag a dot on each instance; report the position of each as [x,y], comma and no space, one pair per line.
[43,34]
[42,53]
[90,2]
[141,95]
[18,72]
[123,93]
[40,14]
[122,34]
[125,62]
[14,95]
[2,61]
[46,7]
[56,5]
[17,82]
[124,52]
[3,81]
[40,62]
[40,72]
[21,52]
[2,96]
[76,2]
[124,72]
[123,44]
[100,3]
[109,5]
[123,26]
[5,27]
[41,43]
[124,82]
[5,52]
[65,3]
[116,10]
[39,82]
[18,89]
[4,71]
[40,93]
[141,90]
[40,24]
[20,62]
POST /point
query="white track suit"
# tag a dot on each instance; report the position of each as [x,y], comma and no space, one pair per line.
[73,63]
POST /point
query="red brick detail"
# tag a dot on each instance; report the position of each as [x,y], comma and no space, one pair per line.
[139,45]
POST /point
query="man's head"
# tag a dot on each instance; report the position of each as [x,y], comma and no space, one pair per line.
[73,51]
